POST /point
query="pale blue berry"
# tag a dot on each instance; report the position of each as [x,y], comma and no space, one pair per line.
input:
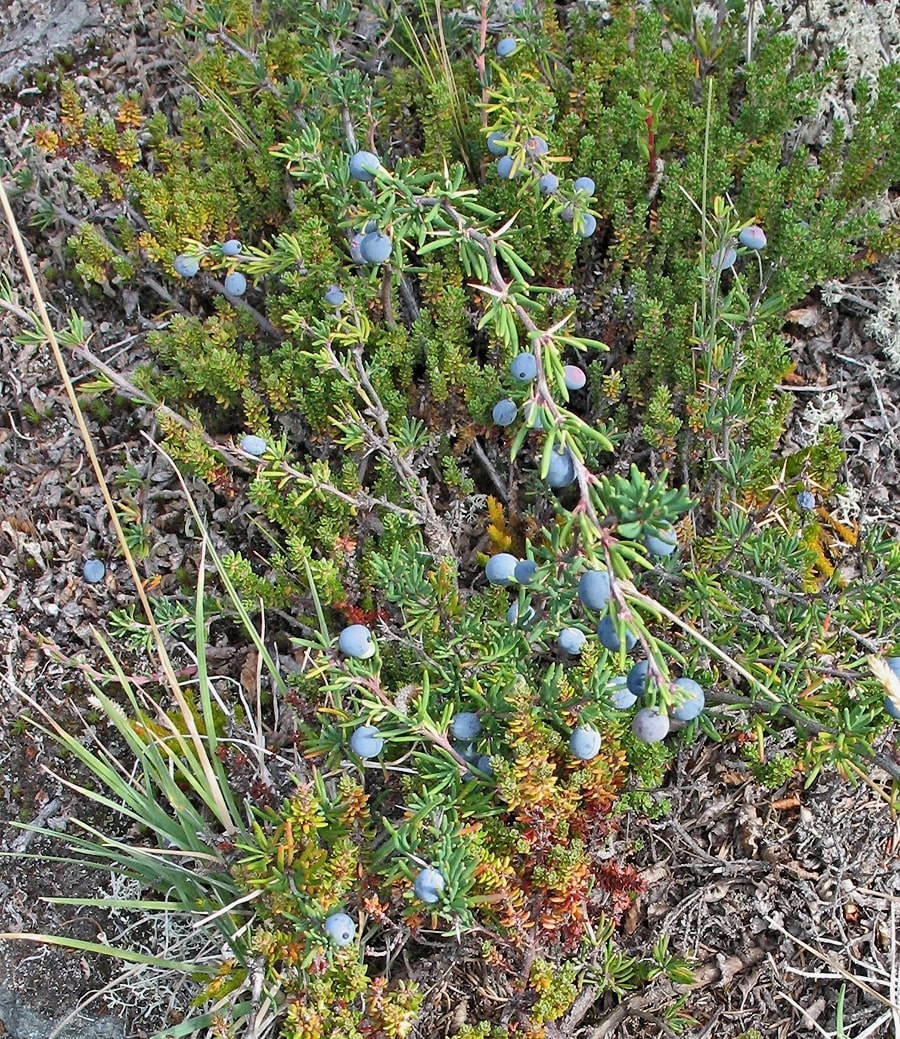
[571,641]
[363,165]
[593,589]
[428,885]
[231,247]
[585,185]
[588,225]
[506,47]
[806,500]
[561,471]
[505,166]
[535,146]
[650,725]
[524,570]
[636,679]
[691,699]
[524,368]
[235,284]
[753,237]
[186,266]
[663,544]
[505,411]
[375,247]
[723,259]
[574,377]
[512,615]
[584,743]
[609,637]
[366,742]
[253,445]
[894,664]
[341,929]
[620,696]
[501,568]
[548,183]
[496,143]
[356,641]
[892,708]
[94,571]
[466,725]
[334,295]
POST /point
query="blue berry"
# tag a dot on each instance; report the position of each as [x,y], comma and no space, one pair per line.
[465,725]
[505,166]
[535,146]
[753,237]
[548,183]
[341,929]
[650,725]
[806,500]
[693,702]
[524,368]
[894,664]
[428,885]
[506,46]
[496,143]
[366,742]
[231,247]
[363,165]
[505,411]
[355,242]
[593,589]
[186,266]
[584,743]
[532,415]
[662,545]
[94,571]
[356,641]
[636,679]
[568,214]
[722,259]
[524,570]
[483,764]
[571,640]
[892,708]
[609,637]
[585,185]
[512,615]
[588,226]
[375,247]
[235,284]
[501,568]
[574,377]
[562,468]
[620,696]
[253,445]
[334,295]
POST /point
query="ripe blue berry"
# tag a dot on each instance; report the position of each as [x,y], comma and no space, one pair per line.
[588,226]
[571,640]
[355,242]
[505,412]
[692,698]
[363,165]
[548,183]
[253,445]
[753,237]
[501,568]
[806,500]
[663,545]
[532,415]
[650,725]
[524,368]
[894,664]
[231,247]
[366,742]
[524,570]
[506,46]
[94,571]
[586,185]
[334,295]
[620,696]
[723,258]
[428,885]
[483,764]
[636,679]
[568,214]
[186,266]
[505,166]
[496,143]
[512,615]
[356,641]
[465,725]
[562,468]
[574,377]
[609,637]
[375,247]
[584,743]
[341,929]
[892,708]
[593,589]
[235,284]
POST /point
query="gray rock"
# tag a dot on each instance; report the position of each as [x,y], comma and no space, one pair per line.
[22,1023]
[34,33]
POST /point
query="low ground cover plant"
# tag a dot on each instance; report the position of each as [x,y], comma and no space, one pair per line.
[529,276]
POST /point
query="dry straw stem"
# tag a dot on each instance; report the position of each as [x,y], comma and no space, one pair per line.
[222,812]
